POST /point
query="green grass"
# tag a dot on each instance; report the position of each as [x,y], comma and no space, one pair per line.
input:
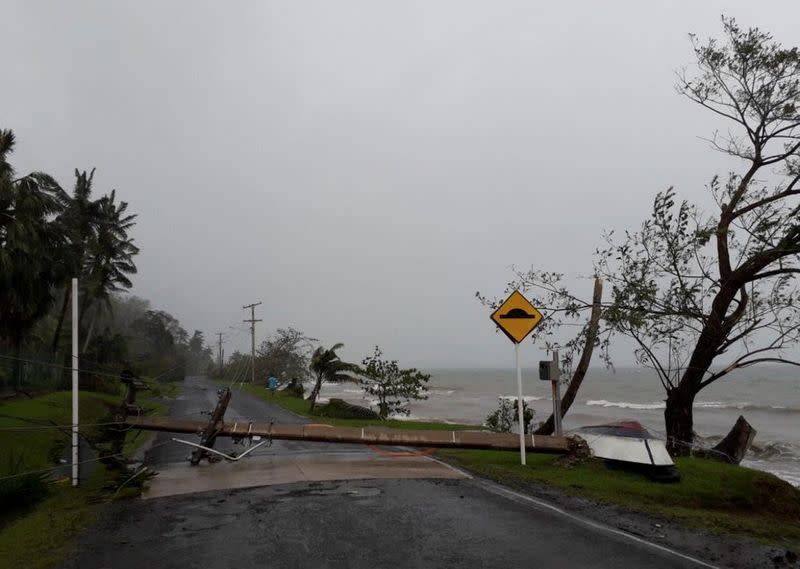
[41,448]
[300,406]
[36,537]
[718,497]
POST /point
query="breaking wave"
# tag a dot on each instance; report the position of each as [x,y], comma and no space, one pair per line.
[774,451]
[624,404]
[697,405]
[526,398]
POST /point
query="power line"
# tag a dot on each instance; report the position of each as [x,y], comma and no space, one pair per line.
[46,427]
[58,366]
[51,469]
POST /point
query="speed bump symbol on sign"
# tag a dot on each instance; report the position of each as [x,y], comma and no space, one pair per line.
[517,317]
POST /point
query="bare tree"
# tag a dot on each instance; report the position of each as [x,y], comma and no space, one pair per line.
[703,294]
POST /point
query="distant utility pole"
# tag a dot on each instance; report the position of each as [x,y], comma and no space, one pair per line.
[252,322]
[219,353]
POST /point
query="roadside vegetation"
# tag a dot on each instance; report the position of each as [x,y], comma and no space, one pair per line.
[49,235]
[702,292]
[711,495]
[292,359]
[39,509]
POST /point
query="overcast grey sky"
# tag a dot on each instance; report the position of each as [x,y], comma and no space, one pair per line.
[364,167]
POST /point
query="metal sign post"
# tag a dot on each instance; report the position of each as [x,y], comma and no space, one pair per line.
[517,318]
[520,405]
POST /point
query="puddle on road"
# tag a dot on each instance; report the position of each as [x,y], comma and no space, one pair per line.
[199,523]
[339,490]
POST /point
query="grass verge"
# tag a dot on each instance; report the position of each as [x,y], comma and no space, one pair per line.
[36,535]
[717,497]
[299,406]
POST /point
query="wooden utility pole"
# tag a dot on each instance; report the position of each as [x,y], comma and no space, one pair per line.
[219,353]
[213,427]
[252,322]
[217,427]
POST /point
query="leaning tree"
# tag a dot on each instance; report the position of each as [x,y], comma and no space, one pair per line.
[703,293]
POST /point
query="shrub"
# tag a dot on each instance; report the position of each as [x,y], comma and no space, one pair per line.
[21,491]
[502,419]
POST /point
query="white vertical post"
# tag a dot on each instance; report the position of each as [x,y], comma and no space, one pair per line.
[74,382]
[520,406]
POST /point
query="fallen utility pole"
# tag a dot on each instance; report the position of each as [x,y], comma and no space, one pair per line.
[358,435]
[252,322]
[212,428]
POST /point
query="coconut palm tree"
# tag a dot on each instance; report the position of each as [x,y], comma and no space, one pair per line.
[79,222]
[109,256]
[31,247]
[327,366]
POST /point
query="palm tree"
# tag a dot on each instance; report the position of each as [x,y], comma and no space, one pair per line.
[110,256]
[79,222]
[31,247]
[327,366]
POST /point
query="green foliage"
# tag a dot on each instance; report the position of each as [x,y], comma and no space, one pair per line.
[503,418]
[285,354]
[326,365]
[394,387]
[199,355]
[49,528]
[30,247]
[23,490]
[47,237]
[704,293]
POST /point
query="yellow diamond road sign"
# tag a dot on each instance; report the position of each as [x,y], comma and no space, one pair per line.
[517,317]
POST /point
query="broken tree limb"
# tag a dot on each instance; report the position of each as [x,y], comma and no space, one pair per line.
[547,427]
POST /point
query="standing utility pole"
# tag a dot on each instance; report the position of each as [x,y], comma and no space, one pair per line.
[219,353]
[252,322]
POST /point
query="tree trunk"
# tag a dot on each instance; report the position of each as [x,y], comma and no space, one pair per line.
[314,394]
[16,343]
[64,305]
[89,332]
[548,426]
[679,420]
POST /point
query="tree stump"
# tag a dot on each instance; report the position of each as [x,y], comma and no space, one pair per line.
[734,446]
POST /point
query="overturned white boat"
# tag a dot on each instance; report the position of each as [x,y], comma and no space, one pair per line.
[628,445]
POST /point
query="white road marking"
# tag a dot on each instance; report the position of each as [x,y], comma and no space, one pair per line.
[463,473]
[516,496]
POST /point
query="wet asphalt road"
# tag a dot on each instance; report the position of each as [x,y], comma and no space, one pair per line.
[197,400]
[359,523]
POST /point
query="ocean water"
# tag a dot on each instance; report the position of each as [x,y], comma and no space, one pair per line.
[768,397]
